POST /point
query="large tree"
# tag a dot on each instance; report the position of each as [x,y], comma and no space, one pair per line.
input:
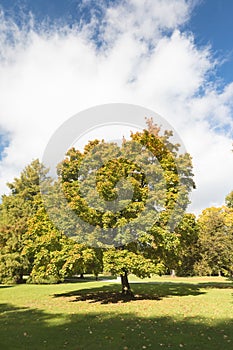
[129,198]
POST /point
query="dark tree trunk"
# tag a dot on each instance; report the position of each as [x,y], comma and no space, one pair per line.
[81,275]
[20,279]
[126,290]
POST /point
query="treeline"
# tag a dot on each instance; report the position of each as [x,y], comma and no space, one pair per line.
[32,245]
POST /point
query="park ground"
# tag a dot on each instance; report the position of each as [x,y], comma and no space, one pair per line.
[166,313]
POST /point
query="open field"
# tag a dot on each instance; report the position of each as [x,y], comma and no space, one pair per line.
[175,313]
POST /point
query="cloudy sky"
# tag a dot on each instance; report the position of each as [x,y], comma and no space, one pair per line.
[174,57]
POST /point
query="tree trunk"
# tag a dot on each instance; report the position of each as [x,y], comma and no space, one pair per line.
[20,279]
[126,290]
[173,273]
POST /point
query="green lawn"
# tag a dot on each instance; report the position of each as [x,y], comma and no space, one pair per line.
[174,313]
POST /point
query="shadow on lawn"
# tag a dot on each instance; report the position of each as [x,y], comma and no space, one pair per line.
[88,279]
[142,291]
[28,328]
[218,285]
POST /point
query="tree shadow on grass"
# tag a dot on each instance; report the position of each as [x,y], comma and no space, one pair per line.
[77,279]
[218,285]
[27,328]
[142,291]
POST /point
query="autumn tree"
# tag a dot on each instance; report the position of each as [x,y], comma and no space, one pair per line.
[229,200]
[130,198]
[53,255]
[215,241]
[187,252]
[16,209]
[30,243]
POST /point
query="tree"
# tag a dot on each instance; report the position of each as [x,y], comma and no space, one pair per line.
[16,209]
[130,198]
[30,243]
[53,255]
[187,252]
[215,241]
[229,200]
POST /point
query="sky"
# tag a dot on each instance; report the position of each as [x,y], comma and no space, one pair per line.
[174,57]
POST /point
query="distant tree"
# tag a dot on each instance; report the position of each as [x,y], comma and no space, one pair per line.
[16,208]
[90,181]
[215,241]
[188,253]
[229,200]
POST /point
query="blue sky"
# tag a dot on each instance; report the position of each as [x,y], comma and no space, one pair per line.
[172,56]
[212,23]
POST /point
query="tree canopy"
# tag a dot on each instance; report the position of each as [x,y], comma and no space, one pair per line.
[131,196]
[215,241]
[30,243]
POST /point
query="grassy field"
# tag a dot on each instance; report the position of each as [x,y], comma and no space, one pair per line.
[175,313]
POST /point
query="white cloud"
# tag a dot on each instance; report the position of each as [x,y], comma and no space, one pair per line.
[144,19]
[48,75]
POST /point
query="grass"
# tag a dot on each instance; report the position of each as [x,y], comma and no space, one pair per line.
[167,313]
